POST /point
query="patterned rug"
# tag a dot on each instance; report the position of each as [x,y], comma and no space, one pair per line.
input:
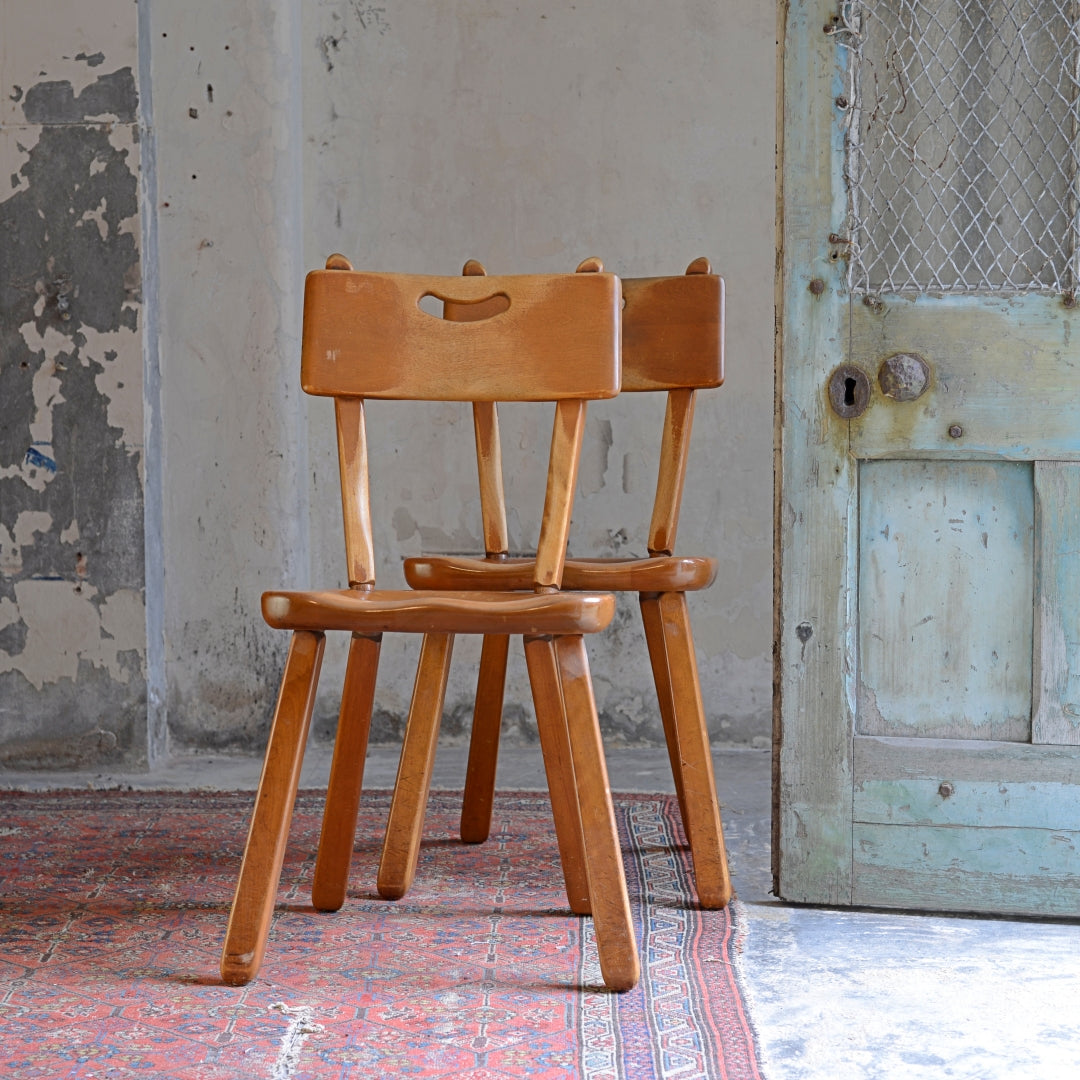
[113,908]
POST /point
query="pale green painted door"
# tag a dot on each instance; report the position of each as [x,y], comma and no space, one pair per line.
[928,502]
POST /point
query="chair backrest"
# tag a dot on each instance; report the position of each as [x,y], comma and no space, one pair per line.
[672,340]
[553,337]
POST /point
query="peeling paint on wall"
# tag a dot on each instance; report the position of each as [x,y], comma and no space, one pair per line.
[72,621]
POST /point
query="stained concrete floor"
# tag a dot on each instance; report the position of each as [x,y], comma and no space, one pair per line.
[835,995]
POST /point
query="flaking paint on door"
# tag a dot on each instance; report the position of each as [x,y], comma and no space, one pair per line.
[928,549]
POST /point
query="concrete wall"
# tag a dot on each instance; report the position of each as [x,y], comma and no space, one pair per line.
[225,76]
[409,136]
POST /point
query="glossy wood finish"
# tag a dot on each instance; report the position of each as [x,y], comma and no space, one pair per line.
[256,889]
[413,612]
[674,455]
[405,824]
[484,740]
[672,573]
[486,426]
[346,774]
[603,860]
[672,340]
[673,331]
[365,334]
[566,436]
[545,677]
[489,468]
[678,688]
[355,500]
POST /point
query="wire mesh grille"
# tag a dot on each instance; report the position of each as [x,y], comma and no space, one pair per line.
[961,144]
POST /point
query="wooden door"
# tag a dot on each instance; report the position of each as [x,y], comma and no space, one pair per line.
[928,496]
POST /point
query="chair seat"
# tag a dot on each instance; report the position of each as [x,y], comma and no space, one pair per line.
[439,612]
[662,573]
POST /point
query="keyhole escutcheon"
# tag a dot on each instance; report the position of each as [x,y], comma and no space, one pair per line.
[849,391]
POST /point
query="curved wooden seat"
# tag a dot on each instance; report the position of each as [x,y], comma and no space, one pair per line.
[655,574]
[405,611]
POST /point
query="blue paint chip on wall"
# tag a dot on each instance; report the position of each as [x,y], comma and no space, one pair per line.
[42,461]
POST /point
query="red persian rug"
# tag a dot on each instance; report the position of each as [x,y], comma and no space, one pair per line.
[113,908]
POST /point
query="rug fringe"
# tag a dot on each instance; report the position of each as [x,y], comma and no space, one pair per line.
[741,920]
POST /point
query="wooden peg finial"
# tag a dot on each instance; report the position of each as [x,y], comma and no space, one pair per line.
[591,265]
[699,266]
[338,262]
[473,268]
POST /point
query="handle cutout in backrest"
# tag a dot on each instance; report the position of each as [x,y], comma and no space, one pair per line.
[439,306]
[364,336]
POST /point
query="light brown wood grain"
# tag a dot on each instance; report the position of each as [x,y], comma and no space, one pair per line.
[365,335]
[671,649]
[551,721]
[673,332]
[674,454]
[479,794]
[566,436]
[260,871]
[355,501]
[346,774]
[653,625]
[401,845]
[667,573]
[489,468]
[486,427]
[610,902]
[414,612]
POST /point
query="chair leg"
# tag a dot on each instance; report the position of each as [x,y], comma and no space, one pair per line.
[484,743]
[260,871]
[658,656]
[401,845]
[346,774]
[603,860]
[671,648]
[551,722]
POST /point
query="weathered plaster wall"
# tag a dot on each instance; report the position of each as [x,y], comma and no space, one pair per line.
[531,136]
[72,628]
[411,136]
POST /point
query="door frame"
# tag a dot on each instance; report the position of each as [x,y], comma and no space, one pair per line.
[815,484]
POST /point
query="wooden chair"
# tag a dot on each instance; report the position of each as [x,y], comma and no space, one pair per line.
[545,338]
[673,334]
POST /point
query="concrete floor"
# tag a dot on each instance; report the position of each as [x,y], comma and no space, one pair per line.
[835,995]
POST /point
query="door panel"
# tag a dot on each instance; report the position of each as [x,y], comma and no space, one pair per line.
[1057,661]
[938,782]
[945,599]
[1005,871]
[928,454]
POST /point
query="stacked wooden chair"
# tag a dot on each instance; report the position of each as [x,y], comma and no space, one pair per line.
[672,342]
[538,338]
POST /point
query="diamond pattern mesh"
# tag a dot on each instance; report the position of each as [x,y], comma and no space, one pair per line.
[961,144]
